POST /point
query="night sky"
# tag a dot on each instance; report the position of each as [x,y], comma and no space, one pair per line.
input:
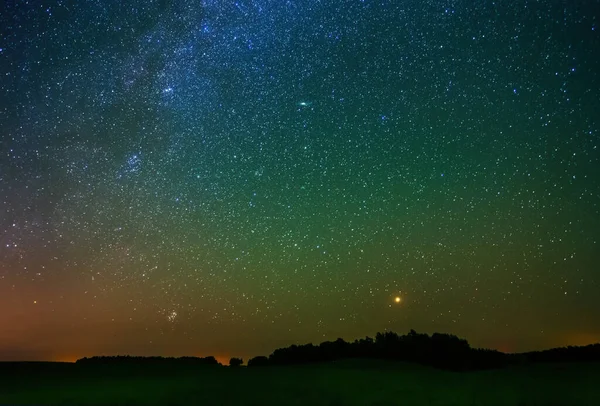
[225,177]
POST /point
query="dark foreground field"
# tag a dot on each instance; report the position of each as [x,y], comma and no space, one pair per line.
[340,383]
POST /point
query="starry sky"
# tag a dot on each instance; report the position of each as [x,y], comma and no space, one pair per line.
[224,177]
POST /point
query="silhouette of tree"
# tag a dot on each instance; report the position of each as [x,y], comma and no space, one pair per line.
[443,351]
[259,361]
[235,362]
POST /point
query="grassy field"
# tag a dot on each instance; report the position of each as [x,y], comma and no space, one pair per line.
[353,382]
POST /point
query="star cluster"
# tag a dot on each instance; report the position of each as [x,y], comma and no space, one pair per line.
[224,177]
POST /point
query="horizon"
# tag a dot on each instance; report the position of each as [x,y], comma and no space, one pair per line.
[224,359]
[231,177]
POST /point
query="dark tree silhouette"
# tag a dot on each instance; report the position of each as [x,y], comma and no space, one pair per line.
[444,351]
[259,361]
[235,362]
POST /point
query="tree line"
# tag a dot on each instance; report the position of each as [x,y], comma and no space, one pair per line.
[444,351]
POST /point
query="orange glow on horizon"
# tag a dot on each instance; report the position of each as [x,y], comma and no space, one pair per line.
[66,358]
[582,339]
[221,359]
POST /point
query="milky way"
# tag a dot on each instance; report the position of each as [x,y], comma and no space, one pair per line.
[221,177]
